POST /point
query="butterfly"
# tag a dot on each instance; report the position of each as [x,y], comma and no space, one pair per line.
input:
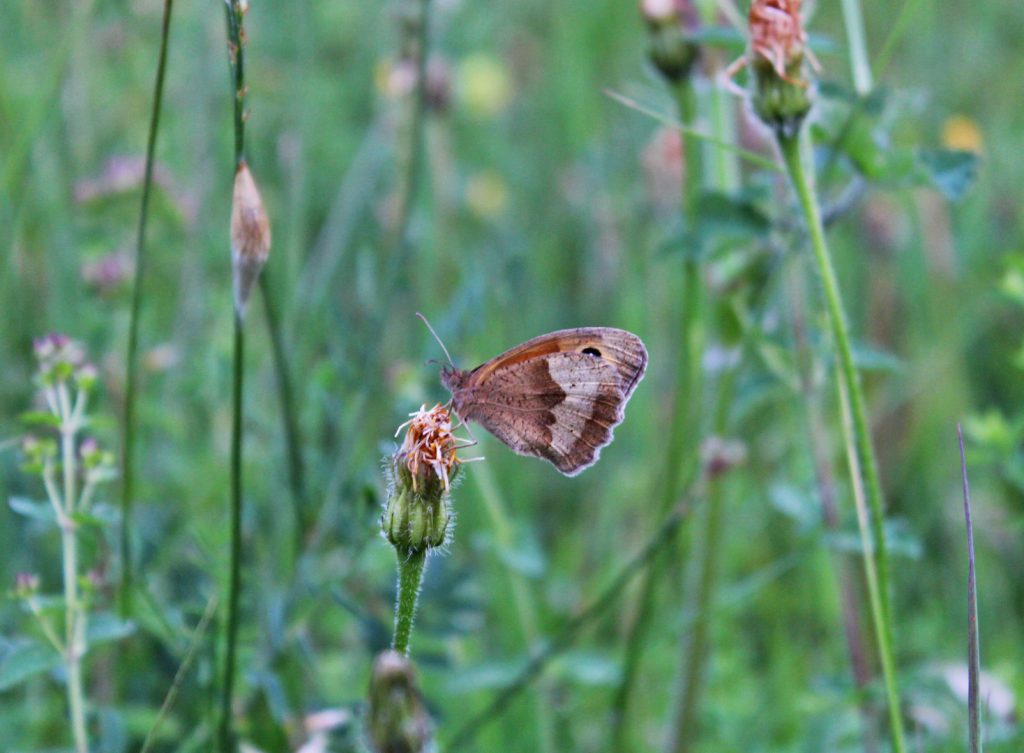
[557,397]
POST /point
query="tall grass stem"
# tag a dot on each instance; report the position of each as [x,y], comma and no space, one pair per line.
[225,732]
[860,452]
[526,610]
[289,416]
[973,642]
[681,455]
[132,358]
[856,39]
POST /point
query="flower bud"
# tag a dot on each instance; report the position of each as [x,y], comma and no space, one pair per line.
[25,585]
[59,356]
[671,24]
[778,60]
[398,719]
[250,235]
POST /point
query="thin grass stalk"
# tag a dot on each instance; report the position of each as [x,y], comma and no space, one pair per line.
[825,481]
[860,452]
[681,456]
[654,546]
[225,733]
[856,40]
[695,652]
[526,610]
[132,358]
[973,643]
[418,42]
[289,417]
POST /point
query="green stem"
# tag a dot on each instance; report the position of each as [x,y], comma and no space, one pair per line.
[860,452]
[416,46]
[681,457]
[225,735]
[695,651]
[410,578]
[132,362]
[74,613]
[973,643]
[853,19]
[525,608]
[286,395]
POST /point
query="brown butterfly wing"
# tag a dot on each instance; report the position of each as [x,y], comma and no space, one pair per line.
[623,350]
[558,396]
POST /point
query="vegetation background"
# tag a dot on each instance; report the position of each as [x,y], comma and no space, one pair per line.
[542,203]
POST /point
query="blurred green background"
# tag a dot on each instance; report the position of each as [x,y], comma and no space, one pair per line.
[543,204]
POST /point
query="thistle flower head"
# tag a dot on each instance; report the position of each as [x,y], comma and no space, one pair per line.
[398,718]
[250,235]
[422,470]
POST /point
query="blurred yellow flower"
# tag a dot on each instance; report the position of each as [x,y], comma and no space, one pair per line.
[486,194]
[484,85]
[961,132]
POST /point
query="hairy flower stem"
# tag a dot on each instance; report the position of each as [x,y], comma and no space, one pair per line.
[680,461]
[225,734]
[132,359]
[856,434]
[410,578]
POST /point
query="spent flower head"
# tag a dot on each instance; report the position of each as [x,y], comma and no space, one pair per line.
[422,470]
[779,59]
[250,235]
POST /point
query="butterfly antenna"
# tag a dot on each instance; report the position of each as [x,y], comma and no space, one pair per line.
[437,338]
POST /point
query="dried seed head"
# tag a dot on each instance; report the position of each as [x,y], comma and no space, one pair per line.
[250,235]
[398,719]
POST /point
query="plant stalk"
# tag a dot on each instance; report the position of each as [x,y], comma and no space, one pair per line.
[225,733]
[680,461]
[410,578]
[973,643]
[74,613]
[853,19]
[289,417]
[132,358]
[860,452]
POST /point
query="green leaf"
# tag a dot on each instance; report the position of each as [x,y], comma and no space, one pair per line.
[727,220]
[588,668]
[866,358]
[107,626]
[40,418]
[42,511]
[524,556]
[951,171]
[25,659]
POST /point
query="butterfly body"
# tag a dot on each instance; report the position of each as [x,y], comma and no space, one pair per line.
[558,396]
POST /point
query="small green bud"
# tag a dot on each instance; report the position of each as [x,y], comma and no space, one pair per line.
[671,24]
[398,719]
[781,103]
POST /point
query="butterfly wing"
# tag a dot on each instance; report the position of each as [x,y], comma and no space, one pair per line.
[558,396]
[623,350]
